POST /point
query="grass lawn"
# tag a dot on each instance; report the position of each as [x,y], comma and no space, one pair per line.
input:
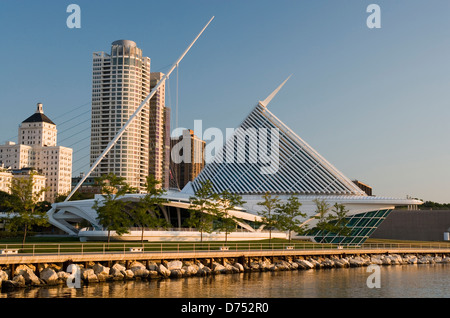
[38,239]
[389,241]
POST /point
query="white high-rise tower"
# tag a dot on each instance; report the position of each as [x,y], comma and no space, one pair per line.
[121,80]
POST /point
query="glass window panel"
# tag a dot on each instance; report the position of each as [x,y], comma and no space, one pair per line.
[353,221]
[363,222]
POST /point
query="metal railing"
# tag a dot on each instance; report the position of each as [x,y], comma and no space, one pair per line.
[185,247]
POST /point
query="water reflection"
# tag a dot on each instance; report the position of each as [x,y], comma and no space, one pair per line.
[396,281]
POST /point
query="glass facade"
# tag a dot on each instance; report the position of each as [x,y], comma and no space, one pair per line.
[362,226]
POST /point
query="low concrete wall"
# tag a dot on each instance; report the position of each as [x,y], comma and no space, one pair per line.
[419,225]
[178,236]
[128,256]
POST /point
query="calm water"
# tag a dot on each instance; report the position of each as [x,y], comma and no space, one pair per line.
[407,281]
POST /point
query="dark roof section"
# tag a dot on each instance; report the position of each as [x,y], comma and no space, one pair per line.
[38,118]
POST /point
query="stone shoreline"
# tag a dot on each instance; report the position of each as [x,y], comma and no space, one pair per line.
[54,274]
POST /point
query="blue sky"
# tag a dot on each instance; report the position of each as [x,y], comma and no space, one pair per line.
[373,102]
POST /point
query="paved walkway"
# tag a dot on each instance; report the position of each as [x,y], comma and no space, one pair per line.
[130,256]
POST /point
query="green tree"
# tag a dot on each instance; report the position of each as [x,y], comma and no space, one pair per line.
[23,202]
[75,197]
[146,212]
[334,221]
[339,226]
[323,216]
[203,207]
[111,210]
[288,214]
[6,200]
[269,218]
[227,202]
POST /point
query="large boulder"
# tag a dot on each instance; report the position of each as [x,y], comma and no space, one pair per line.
[385,260]
[232,268]
[176,273]
[426,259]
[129,274]
[140,272]
[190,270]
[138,269]
[315,263]
[152,266]
[49,276]
[293,265]
[163,271]
[376,260]
[304,264]
[395,259]
[228,269]
[265,265]
[239,266]
[255,267]
[446,259]
[340,263]
[357,261]
[55,267]
[11,284]
[88,275]
[3,275]
[117,271]
[282,265]
[19,281]
[328,263]
[153,274]
[27,271]
[218,268]
[204,271]
[174,265]
[101,270]
[137,265]
[412,259]
[62,277]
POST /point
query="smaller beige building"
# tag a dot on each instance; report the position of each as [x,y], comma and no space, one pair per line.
[188,157]
[16,156]
[7,177]
[38,149]
[5,180]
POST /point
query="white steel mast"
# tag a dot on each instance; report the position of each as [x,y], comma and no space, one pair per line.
[141,106]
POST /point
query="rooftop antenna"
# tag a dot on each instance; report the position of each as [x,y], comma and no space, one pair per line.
[141,106]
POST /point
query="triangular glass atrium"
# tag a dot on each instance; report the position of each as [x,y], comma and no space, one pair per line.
[264,155]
